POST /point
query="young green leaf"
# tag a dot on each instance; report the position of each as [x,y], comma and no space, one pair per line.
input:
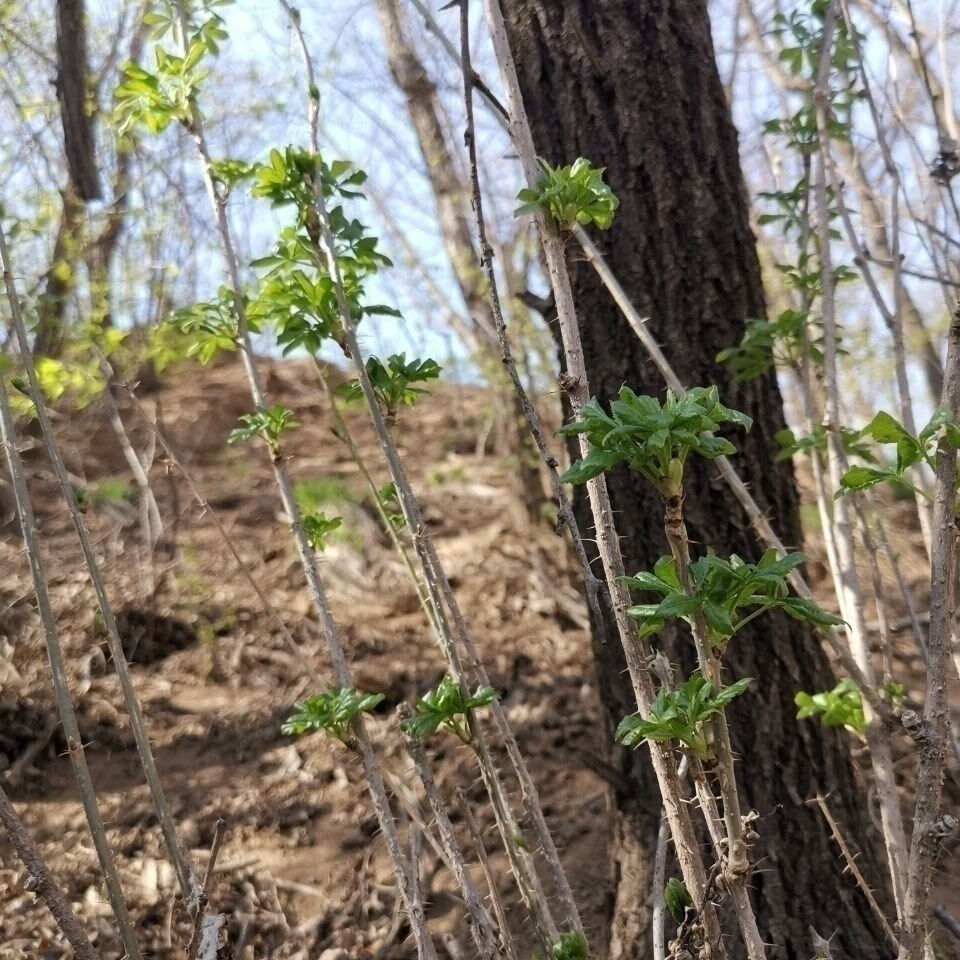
[333,711]
[839,707]
[652,438]
[318,526]
[677,898]
[728,593]
[393,382]
[572,195]
[267,424]
[571,946]
[447,707]
[679,714]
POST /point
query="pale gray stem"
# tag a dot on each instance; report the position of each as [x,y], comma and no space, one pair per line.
[660,878]
[485,252]
[637,651]
[155,524]
[659,881]
[425,948]
[852,603]
[736,887]
[201,914]
[178,857]
[41,880]
[61,687]
[521,861]
[343,433]
[207,507]
[480,926]
[736,866]
[893,321]
[851,861]
[506,939]
[591,584]
[932,738]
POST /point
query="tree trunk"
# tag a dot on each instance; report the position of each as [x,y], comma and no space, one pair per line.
[634,87]
[73,92]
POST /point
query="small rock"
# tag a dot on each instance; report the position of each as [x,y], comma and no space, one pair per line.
[166,876]
[333,953]
[150,880]
[190,834]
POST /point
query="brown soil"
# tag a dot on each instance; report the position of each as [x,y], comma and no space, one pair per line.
[302,870]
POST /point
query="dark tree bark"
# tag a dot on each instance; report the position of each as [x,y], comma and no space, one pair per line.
[73,92]
[633,85]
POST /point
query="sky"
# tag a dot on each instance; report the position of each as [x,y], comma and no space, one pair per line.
[255,99]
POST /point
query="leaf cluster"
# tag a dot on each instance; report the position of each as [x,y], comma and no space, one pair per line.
[447,707]
[209,327]
[571,195]
[680,714]
[156,99]
[390,504]
[652,438]
[816,441]
[726,593]
[291,175]
[298,297]
[839,707]
[267,423]
[768,344]
[571,946]
[910,450]
[318,526]
[333,710]
[393,382]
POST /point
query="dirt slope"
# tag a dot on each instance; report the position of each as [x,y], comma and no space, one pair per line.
[302,870]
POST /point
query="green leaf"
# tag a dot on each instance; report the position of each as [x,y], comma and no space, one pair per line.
[718,620]
[680,714]
[333,711]
[884,429]
[590,466]
[862,478]
[677,898]
[801,609]
[447,707]
[653,438]
[318,526]
[571,195]
[571,946]
[838,707]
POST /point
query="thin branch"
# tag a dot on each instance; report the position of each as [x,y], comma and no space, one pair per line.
[851,602]
[61,687]
[480,927]
[851,862]
[591,583]
[932,738]
[425,948]
[637,650]
[435,579]
[499,911]
[178,857]
[41,881]
[202,916]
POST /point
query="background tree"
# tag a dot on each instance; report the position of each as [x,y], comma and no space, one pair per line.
[635,88]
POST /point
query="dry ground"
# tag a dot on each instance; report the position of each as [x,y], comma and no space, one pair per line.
[301,871]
